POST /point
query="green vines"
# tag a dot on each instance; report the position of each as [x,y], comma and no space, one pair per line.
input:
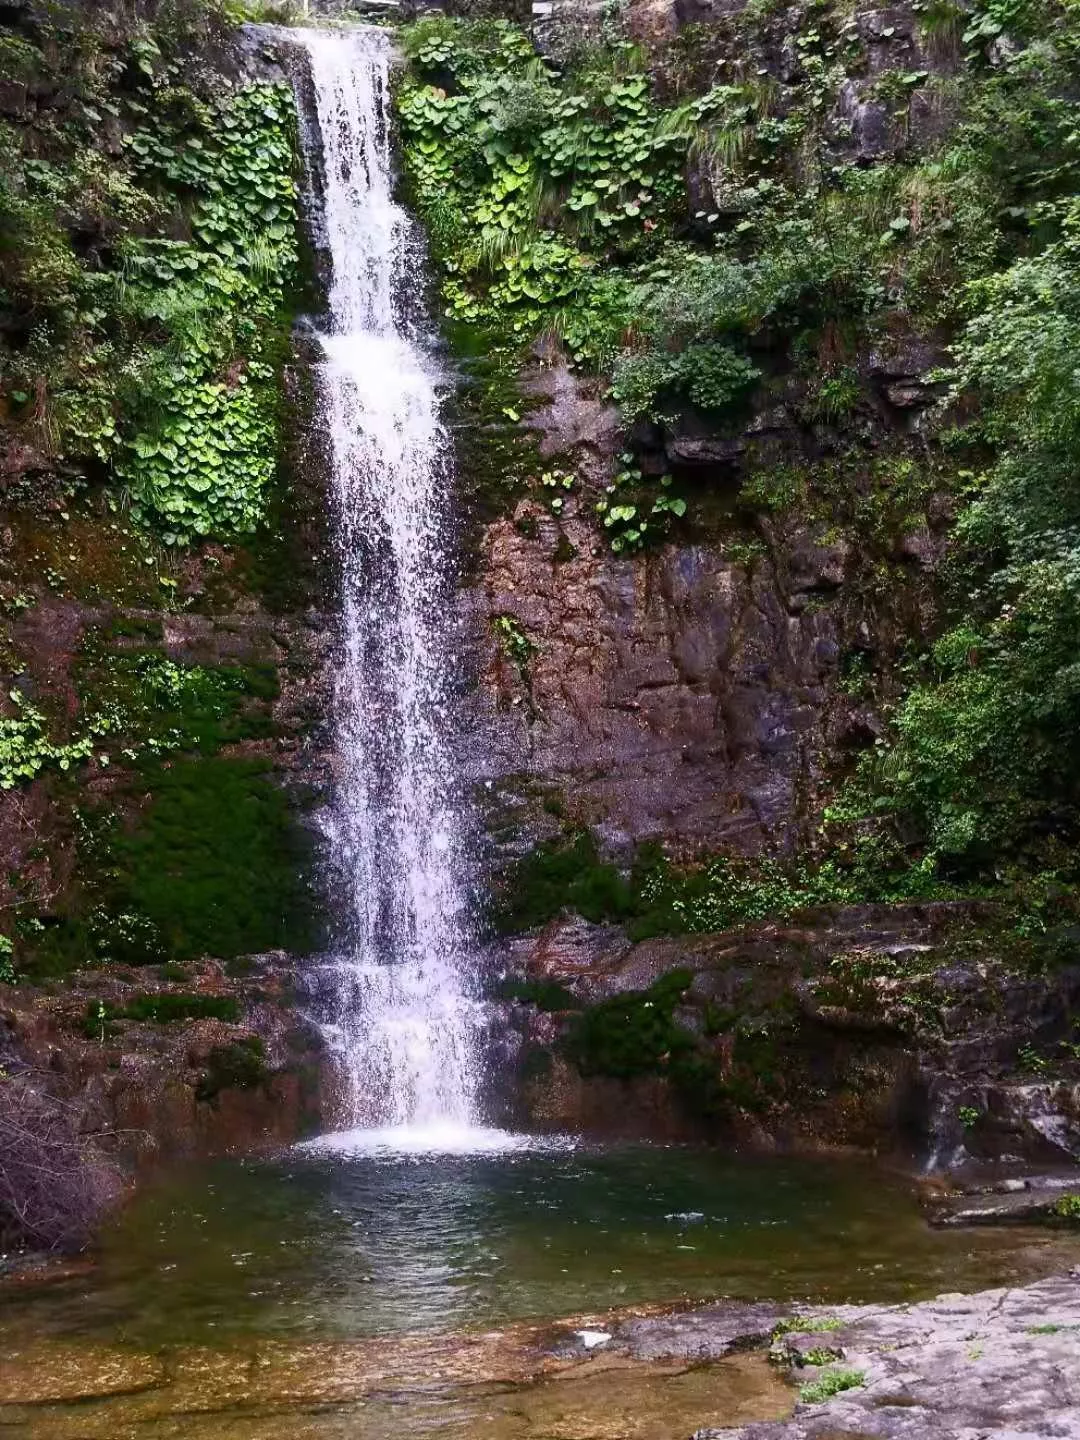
[514,644]
[144,290]
[139,706]
[205,451]
[26,750]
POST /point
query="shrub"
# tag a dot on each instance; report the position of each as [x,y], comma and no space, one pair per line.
[240,1065]
[563,874]
[632,1034]
[709,375]
[54,1186]
[982,756]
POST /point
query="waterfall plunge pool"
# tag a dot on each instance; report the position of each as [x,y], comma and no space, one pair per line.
[353,1288]
[346,1289]
[333,1242]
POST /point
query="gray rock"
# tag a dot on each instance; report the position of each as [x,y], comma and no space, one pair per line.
[923,547]
[904,357]
[875,134]
[999,1365]
[709,1333]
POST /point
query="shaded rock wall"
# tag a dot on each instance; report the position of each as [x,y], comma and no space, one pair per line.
[694,694]
[152,1090]
[904,1029]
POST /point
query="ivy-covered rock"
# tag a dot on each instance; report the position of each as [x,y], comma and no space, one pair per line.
[151,220]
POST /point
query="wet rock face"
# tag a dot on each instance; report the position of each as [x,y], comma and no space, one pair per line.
[42,865]
[152,1090]
[678,697]
[684,696]
[689,694]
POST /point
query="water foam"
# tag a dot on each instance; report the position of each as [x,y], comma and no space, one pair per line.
[433,1139]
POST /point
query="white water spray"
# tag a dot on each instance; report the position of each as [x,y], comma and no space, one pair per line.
[404,1027]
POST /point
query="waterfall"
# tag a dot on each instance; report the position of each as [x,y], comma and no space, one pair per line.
[402,1022]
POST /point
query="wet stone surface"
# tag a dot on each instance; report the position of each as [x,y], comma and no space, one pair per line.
[1001,1363]
[501,1385]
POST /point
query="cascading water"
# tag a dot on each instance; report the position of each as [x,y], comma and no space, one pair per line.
[404,1026]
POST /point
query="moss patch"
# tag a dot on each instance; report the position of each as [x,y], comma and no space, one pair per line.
[166,1008]
[217,864]
[240,1065]
[632,1034]
[560,874]
[547,995]
[197,856]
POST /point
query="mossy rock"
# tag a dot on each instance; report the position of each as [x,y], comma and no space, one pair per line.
[218,864]
[547,995]
[632,1034]
[239,1065]
[561,874]
[159,1008]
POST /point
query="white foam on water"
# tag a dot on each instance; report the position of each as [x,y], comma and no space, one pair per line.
[446,1139]
[592,1338]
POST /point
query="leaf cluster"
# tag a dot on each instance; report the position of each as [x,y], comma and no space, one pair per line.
[142,286]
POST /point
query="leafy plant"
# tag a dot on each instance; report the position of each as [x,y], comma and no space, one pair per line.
[515,644]
[832,1382]
[822,1355]
[205,465]
[633,513]
[147,355]
[25,749]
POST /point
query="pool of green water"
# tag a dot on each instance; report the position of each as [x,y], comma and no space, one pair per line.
[337,1295]
[311,1245]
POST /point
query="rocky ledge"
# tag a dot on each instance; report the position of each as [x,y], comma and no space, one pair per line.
[170,1062]
[1000,1363]
[915,1029]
